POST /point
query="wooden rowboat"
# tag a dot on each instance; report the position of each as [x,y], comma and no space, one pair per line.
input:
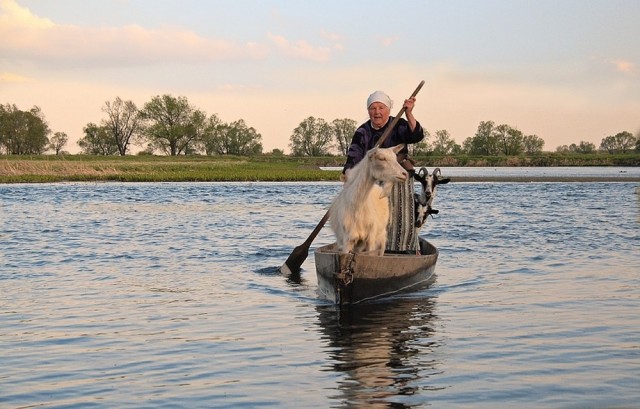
[351,279]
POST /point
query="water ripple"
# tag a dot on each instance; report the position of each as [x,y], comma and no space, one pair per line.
[170,295]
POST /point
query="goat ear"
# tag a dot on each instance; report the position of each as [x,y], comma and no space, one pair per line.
[444,181]
[398,148]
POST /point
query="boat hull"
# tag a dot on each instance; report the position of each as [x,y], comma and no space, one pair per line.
[373,276]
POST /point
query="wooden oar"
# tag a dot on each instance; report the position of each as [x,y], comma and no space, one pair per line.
[300,253]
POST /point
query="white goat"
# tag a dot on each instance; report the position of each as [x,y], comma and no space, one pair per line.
[360,213]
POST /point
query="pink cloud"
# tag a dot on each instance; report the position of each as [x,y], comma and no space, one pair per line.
[624,66]
[388,41]
[9,77]
[300,49]
[29,37]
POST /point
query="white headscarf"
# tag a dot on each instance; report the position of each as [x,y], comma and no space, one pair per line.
[379,96]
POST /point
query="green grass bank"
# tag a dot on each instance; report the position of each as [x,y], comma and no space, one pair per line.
[73,168]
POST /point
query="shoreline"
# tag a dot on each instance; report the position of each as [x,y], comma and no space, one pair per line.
[544,179]
[44,169]
[454,179]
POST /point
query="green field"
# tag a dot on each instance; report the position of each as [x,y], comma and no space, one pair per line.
[50,168]
[16,169]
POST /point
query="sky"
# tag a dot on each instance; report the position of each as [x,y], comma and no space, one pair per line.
[564,70]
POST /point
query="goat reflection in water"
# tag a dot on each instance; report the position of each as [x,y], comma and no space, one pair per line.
[385,350]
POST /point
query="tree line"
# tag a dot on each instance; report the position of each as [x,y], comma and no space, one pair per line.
[169,125]
[172,126]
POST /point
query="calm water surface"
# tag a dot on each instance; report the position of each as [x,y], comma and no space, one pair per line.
[168,295]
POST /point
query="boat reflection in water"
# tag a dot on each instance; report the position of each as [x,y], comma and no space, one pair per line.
[384,351]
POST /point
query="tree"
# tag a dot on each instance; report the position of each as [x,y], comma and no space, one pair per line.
[97,140]
[248,139]
[147,151]
[532,144]
[195,132]
[169,124]
[443,143]
[583,147]
[58,141]
[236,138]
[343,130]
[484,142]
[509,140]
[311,138]
[491,140]
[123,121]
[23,132]
[212,141]
[622,142]
[608,144]
[423,147]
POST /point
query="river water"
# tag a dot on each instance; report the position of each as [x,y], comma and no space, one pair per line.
[167,295]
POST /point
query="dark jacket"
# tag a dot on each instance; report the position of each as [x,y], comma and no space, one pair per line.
[366,137]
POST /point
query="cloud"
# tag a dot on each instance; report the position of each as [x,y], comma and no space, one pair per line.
[8,77]
[32,38]
[15,16]
[388,41]
[300,49]
[334,38]
[624,66]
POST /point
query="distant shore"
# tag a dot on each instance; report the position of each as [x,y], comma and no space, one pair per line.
[559,179]
[82,168]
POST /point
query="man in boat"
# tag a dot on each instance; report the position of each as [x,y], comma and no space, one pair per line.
[402,235]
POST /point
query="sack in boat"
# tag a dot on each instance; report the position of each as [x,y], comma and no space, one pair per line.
[402,236]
